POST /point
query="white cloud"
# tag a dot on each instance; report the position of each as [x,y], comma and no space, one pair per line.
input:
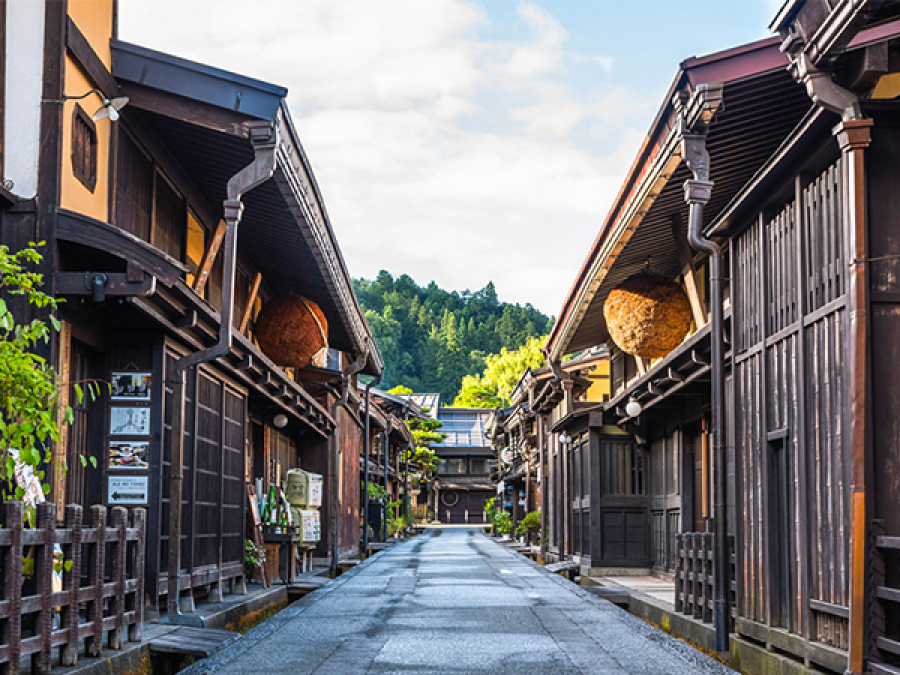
[440,153]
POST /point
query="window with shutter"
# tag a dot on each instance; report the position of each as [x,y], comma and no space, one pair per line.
[84,148]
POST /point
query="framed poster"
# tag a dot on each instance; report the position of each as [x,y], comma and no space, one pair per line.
[129,421]
[128,489]
[131,386]
[132,455]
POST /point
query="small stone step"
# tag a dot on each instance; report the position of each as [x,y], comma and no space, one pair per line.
[200,642]
[617,595]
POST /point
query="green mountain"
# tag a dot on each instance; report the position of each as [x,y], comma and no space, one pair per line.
[431,338]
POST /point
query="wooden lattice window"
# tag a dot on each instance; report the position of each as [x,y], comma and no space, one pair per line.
[84,148]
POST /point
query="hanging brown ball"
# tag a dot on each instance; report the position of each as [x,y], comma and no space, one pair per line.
[290,330]
[647,315]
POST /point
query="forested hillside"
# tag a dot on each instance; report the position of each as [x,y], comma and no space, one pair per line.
[431,338]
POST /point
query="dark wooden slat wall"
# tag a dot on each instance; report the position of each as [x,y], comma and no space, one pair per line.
[788,289]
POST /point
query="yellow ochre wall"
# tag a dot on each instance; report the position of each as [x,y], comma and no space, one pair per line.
[94,19]
[600,387]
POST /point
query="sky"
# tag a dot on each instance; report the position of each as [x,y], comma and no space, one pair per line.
[461,141]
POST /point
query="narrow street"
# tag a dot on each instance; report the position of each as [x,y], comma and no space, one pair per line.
[455,601]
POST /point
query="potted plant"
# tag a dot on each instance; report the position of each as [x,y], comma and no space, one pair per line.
[254,557]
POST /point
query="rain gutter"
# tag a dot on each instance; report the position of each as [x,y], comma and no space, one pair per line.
[264,138]
[335,454]
[366,450]
[697,192]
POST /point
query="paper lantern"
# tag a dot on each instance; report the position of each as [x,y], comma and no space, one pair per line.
[291,330]
[647,315]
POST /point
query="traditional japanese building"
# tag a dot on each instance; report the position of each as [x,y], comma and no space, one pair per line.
[177,203]
[765,190]
[533,474]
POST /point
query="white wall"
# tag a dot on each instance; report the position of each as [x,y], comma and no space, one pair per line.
[24,71]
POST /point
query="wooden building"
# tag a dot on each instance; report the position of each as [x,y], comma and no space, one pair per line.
[130,204]
[789,148]
[535,465]
[465,462]
[391,443]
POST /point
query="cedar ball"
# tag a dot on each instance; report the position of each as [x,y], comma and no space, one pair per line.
[290,330]
[647,315]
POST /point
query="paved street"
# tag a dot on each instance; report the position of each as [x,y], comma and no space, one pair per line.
[455,601]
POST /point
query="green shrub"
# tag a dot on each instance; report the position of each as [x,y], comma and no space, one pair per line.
[503,523]
[530,523]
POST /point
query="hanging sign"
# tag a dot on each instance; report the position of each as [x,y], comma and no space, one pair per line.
[128,489]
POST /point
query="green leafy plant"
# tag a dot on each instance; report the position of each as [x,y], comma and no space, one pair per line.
[254,557]
[530,524]
[375,492]
[490,512]
[29,393]
[503,523]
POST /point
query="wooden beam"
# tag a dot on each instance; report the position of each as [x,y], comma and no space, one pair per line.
[183,109]
[189,320]
[90,63]
[209,258]
[641,365]
[248,310]
[689,273]
[96,234]
[116,283]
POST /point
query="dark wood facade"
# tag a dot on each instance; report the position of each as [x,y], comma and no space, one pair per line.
[133,221]
[808,226]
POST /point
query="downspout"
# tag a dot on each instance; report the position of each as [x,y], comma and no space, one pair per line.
[406,474]
[386,458]
[264,138]
[853,136]
[335,454]
[696,194]
[366,449]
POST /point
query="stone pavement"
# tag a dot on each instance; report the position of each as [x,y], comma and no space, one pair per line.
[455,601]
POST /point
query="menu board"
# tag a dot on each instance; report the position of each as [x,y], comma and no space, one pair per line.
[131,455]
[130,431]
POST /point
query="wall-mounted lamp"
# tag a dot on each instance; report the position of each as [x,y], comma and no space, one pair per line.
[564,438]
[280,421]
[633,408]
[110,106]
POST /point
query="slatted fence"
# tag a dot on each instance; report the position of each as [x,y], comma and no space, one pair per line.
[695,581]
[101,601]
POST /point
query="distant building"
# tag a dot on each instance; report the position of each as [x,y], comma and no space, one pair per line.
[466,458]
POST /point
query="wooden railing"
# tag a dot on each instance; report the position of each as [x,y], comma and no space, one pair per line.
[884,625]
[695,581]
[102,590]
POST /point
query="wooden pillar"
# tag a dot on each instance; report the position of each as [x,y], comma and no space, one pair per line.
[854,137]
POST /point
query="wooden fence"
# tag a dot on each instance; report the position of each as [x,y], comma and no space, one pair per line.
[695,581]
[102,590]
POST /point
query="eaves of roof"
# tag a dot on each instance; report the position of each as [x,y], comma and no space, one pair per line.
[213,152]
[761,104]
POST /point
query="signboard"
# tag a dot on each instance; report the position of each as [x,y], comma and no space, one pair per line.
[130,421]
[312,526]
[131,386]
[315,489]
[128,489]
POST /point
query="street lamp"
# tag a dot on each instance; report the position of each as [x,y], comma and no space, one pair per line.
[110,107]
[633,408]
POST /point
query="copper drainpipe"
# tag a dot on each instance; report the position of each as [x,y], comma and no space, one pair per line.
[264,138]
[335,455]
[367,441]
[387,453]
[696,194]
[854,137]
[854,134]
